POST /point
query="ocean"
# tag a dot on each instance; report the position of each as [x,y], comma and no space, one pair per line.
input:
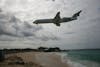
[82,58]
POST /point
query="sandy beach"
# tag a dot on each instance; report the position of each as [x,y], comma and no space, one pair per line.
[33,59]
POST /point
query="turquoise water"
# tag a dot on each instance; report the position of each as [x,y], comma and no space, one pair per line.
[91,55]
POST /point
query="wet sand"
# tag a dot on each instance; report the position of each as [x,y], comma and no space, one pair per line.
[33,59]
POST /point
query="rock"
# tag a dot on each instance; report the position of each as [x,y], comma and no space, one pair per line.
[2,56]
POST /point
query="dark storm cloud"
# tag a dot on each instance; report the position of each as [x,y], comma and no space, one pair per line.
[0,10]
[69,32]
[7,38]
[10,25]
[12,28]
[46,37]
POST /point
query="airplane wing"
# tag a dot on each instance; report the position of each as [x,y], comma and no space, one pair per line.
[57,17]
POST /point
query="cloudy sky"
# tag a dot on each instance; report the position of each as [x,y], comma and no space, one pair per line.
[18,31]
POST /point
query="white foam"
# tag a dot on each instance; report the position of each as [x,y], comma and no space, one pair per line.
[63,56]
[69,62]
[79,63]
[75,64]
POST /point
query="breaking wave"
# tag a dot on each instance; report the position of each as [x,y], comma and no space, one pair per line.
[74,62]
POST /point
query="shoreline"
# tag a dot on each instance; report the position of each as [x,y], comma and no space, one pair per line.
[34,59]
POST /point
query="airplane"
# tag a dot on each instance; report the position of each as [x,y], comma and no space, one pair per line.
[57,19]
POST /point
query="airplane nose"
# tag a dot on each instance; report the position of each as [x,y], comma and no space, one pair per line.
[35,22]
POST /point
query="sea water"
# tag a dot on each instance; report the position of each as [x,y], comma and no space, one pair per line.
[82,58]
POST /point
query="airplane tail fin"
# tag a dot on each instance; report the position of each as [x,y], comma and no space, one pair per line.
[57,19]
[76,14]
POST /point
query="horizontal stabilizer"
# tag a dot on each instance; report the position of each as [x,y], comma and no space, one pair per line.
[77,14]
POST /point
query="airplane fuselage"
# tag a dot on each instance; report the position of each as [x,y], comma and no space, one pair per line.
[40,21]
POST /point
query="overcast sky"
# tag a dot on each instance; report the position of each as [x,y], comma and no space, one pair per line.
[18,31]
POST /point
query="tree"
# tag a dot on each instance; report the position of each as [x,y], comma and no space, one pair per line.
[42,48]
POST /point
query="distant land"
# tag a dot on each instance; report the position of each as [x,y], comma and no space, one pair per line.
[40,49]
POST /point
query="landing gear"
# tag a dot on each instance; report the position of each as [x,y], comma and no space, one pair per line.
[57,24]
